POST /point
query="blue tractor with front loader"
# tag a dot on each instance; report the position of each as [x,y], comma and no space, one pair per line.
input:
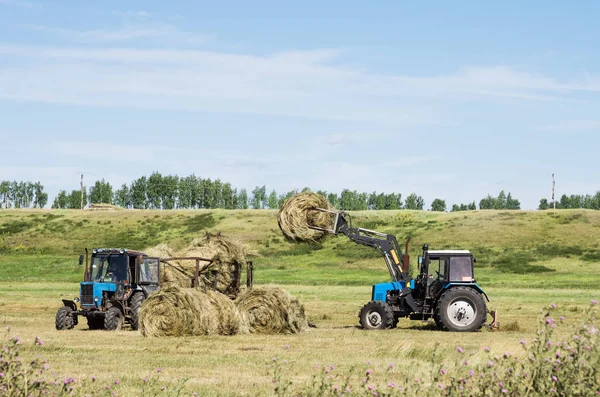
[445,289]
[115,285]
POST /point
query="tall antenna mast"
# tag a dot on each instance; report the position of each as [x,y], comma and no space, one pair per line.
[553,202]
[81,191]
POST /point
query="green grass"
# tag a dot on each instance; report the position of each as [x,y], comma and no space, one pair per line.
[526,260]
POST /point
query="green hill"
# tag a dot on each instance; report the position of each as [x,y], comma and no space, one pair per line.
[520,248]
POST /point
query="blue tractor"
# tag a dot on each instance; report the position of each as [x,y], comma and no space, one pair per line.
[445,289]
[115,285]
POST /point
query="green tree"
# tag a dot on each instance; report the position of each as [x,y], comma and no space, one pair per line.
[543,204]
[154,190]
[414,202]
[61,200]
[273,200]
[438,205]
[169,191]
[41,198]
[101,192]
[243,200]
[122,197]
[138,193]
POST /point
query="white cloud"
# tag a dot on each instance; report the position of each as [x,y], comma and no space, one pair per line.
[339,139]
[573,126]
[16,3]
[306,84]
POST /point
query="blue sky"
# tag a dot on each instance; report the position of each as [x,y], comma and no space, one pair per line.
[450,101]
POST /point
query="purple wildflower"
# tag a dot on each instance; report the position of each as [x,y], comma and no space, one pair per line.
[460,349]
[553,306]
[440,386]
[554,378]
[443,371]
[392,385]
[522,341]
[504,391]
[116,381]
[594,302]
[369,371]
[159,370]
[487,349]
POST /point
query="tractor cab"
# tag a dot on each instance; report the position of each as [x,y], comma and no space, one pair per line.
[443,268]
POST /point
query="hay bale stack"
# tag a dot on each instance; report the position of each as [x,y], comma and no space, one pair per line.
[295,212]
[175,311]
[171,273]
[271,310]
[228,256]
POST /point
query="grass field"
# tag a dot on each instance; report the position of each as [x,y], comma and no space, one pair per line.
[526,260]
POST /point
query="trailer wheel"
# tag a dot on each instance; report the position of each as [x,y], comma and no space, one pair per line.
[113,321]
[64,318]
[377,315]
[134,305]
[461,309]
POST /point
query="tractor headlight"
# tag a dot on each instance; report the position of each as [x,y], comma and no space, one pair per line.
[96,299]
[76,299]
[121,251]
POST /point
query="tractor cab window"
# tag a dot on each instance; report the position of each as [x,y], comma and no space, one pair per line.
[109,268]
[149,271]
[461,269]
[437,267]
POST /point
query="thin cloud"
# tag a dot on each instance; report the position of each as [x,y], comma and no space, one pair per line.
[294,83]
[573,126]
[17,3]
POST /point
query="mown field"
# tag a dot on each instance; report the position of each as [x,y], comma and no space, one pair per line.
[526,261]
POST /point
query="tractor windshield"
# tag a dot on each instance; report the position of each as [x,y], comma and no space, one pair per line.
[110,268]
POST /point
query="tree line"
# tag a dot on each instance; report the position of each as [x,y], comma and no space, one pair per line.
[19,194]
[574,201]
[159,191]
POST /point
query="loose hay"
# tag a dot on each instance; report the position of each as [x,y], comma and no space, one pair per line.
[271,310]
[228,256]
[175,311]
[228,259]
[292,217]
[171,273]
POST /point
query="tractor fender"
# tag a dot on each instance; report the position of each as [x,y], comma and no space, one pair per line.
[475,286]
[145,291]
[116,303]
[70,303]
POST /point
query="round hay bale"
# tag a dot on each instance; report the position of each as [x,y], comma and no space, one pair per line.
[271,310]
[295,212]
[228,256]
[175,311]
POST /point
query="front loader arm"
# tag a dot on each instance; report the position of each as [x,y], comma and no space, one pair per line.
[385,243]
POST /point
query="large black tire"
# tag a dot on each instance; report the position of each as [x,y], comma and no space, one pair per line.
[461,309]
[95,322]
[64,318]
[134,307]
[113,320]
[377,315]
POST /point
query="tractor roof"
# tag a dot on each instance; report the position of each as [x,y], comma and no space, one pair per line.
[449,252]
[117,251]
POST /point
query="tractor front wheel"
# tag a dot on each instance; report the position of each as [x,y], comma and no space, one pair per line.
[64,318]
[134,305]
[377,315]
[113,321]
[461,309]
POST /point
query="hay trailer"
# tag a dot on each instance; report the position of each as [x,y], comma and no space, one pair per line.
[115,285]
[452,298]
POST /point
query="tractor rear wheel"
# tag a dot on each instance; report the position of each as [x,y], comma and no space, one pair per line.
[64,318]
[134,306]
[461,309]
[113,321]
[377,315]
